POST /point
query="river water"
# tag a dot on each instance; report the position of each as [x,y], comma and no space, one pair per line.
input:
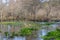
[43,31]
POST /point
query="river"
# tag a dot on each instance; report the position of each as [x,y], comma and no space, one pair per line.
[43,31]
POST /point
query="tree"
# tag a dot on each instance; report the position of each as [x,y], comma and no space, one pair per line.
[31,6]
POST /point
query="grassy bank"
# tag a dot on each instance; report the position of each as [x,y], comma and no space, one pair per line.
[26,22]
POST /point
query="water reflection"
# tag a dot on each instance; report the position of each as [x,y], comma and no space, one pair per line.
[19,38]
[15,38]
[45,29]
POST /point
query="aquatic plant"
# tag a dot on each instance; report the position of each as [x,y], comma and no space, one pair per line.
[11,35]
[53,35]
[27,31]
[6,34]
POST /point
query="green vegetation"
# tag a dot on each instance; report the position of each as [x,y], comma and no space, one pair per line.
[47,23]
[27,31]
[0,31]
[17,23]
[22,23]
[22,32]
[10,23]
[53,35]
[27,28]
[6,34]
[11,35]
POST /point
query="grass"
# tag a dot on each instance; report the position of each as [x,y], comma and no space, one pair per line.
[48,23]
[22,23]
[11,23]
[18,23]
